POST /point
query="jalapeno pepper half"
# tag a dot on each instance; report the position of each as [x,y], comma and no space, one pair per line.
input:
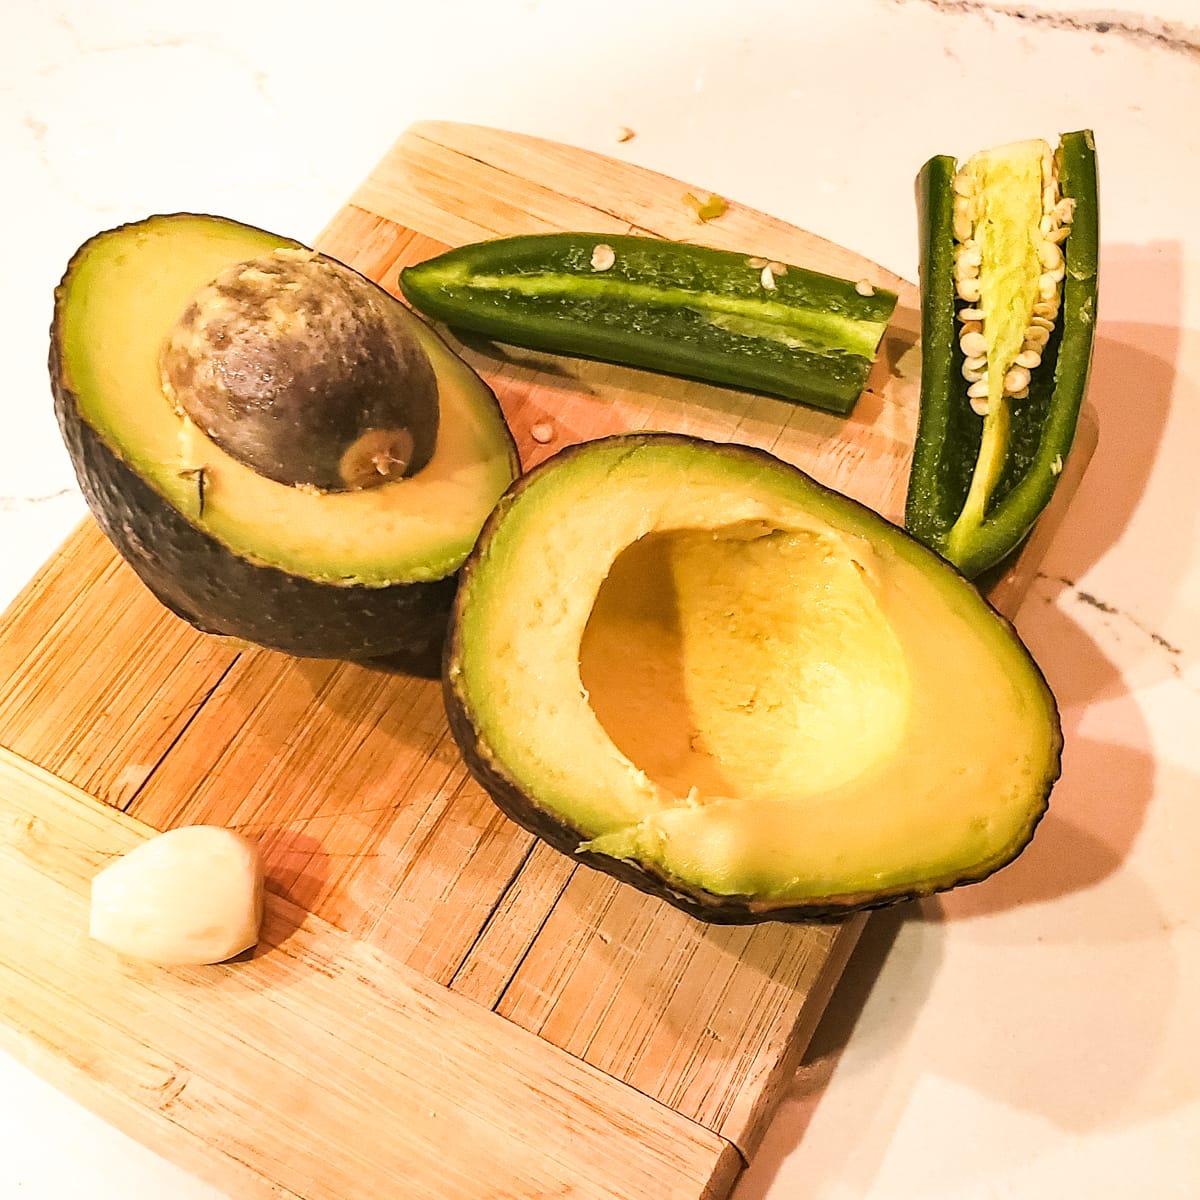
[674,307]
[1009,255]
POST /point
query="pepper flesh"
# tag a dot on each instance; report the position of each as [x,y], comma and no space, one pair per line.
[979,482]
[674,307]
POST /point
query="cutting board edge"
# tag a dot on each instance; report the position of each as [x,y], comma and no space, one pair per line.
[478,143]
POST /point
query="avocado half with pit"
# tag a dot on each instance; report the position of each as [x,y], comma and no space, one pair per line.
[279,448]
[695,668]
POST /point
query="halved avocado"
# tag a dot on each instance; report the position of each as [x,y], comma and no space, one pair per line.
[695,668]
[342,571]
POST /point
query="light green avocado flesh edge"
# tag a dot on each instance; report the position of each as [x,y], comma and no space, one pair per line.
[950,735]
[123,292]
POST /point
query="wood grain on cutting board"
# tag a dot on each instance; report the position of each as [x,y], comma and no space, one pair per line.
[440,1001]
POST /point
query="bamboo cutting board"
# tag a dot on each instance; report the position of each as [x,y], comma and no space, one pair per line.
[440,1007]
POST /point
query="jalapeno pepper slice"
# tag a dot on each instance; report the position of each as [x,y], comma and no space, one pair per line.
[1009,256]
[674,307]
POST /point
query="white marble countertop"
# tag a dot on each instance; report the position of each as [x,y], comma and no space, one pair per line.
[1034,1036]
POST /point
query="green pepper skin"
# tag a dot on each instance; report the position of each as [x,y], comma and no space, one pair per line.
[1043,425]
[946,442]
[666,306]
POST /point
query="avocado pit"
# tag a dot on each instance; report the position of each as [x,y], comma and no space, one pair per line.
[296,366]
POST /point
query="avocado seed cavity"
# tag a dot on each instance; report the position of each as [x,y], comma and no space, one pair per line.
[745,660]
[302,370]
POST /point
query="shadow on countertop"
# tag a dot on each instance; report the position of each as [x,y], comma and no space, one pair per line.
[1078,946]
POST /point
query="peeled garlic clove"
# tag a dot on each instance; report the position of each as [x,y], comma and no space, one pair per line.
[188,896]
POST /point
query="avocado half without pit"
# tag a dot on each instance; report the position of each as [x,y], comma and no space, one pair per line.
[279,448]
[695,668]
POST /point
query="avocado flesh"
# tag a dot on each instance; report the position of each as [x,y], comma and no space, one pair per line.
[699,670]
[117,304]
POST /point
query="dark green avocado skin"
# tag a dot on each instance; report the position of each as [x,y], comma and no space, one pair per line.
[551,828]
[219,592]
